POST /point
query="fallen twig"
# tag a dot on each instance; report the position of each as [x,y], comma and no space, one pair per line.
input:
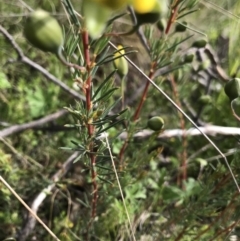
[31,221]
[22,127]
[208,130]
[22,58]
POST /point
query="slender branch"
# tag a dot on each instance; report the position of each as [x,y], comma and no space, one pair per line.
[208,129]
[221,215]
[28,208]
[52,78]
[122,150]
[225,231]
[88,85]
[137,113]
[182,176]
[32,124]
[22,58]
[139,30]
[30,223]
[91,129]
[120,189]
[173,16]
[181,234]
[144,94]
[26,160]
[185,115]
[211,130]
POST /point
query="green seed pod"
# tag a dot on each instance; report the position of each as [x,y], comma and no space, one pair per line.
[96,15]
[181,27]
[162,24]
[201,43]
[188,58]
[205,99]
[155,123]
[235,105]
[204,65]
[120,63]
[44,32]
[232,88]
[178,74]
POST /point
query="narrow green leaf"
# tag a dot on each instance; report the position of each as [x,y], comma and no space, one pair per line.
[110,126]
[104,180]
[102,84]
[108,109]
[78,158]
[71,11]
[178,43]
[189,12]
[106,95]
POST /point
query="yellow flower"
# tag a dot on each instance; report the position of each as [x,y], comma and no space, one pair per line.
[144,6]
[120,63]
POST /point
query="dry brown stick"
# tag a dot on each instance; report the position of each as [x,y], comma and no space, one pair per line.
[34,215]
[30,223]
[211,130]
[32,124]
[22,58]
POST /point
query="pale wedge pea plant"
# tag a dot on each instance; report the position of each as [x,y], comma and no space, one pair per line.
[145,144]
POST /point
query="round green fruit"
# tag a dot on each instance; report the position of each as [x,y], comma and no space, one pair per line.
[204,65]
[44,32]
[120,63]
[205,99]
[235,105]
[155,123]
[162,24]
[96,15]
[201,43]
[181,27]
[188,58]
[232,88]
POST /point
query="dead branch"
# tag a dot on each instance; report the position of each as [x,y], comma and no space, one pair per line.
[31,221]
[22,58]
[32,124]
[210,130]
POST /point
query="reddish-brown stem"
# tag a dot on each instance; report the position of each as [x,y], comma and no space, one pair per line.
[144,94]
[95,188]
[222,214]
[88,65]
[222,182]
[137,112]
[183,174]
[224,231]
[92,156]
[180,235]
[173,16]
[121,154]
